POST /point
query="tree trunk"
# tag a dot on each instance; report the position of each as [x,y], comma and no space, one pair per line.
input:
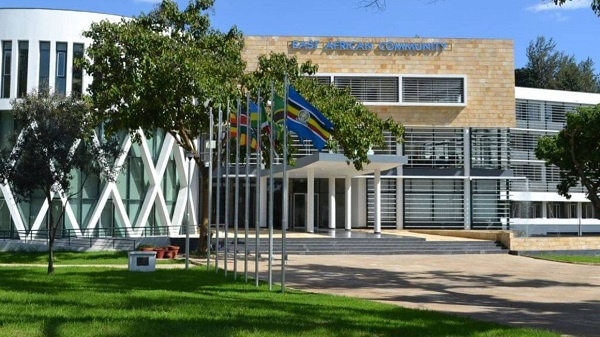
[51,237]
[203,244]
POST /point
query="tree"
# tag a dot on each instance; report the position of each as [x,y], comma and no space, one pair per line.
[576,151]
[550,69]
[165,70]
[357,129]
[381,4]
[57,140]
[595,5]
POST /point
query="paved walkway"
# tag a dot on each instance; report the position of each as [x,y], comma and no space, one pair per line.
[507,289]
[504,288]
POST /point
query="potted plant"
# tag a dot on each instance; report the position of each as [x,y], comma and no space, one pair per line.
[146,248]
[160,252]
[173,250]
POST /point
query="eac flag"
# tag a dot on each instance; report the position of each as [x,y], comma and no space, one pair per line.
[306,121]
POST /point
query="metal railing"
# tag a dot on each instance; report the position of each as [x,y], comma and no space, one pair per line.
[70,235]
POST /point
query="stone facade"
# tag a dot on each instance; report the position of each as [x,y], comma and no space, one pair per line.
[487,64]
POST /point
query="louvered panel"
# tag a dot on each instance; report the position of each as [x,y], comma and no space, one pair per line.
[433,90]
[370,88]
[433,203]
[437,147]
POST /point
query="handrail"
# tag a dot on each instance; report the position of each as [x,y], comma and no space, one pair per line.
[42,234]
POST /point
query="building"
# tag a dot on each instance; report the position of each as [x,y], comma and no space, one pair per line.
[467,161]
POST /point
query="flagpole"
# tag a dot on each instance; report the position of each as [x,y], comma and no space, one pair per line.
[247,194]
[236,212]
[284,189]
[258,174]
[270,204]
[219,176]
[227,140]
[211,127]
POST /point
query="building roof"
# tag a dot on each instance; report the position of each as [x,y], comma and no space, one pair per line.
[557,95]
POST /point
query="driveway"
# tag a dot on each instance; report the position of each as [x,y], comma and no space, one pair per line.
[503,288]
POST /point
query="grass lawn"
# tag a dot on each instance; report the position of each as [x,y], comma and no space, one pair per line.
[571,258]
[111,302]
[71,258]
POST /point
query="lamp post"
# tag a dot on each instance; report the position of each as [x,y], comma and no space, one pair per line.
[190,156]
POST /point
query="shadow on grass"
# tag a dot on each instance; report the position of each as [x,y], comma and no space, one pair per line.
[101,302]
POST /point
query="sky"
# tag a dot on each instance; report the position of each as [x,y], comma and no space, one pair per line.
[574,27]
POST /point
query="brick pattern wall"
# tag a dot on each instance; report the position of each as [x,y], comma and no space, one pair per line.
[487,63]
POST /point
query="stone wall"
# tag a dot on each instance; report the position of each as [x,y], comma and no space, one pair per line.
[488,65]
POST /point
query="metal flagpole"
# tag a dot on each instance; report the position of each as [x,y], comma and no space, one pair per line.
[284,189]
[211,127]
[258,173]
[227,196]
[236,212]
[219,174]
[271,202]
[246,195]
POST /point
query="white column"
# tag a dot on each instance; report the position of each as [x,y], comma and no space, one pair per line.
[377,185]
[467,182]
[310,201]
[348,209]
[332,205]
[399,190]
[263,202]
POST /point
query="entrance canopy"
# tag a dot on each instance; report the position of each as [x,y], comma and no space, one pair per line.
[331,165]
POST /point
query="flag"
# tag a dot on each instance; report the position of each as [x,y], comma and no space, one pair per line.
[303,119]
[264,119]
[243,129]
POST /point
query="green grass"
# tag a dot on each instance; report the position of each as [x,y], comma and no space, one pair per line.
[71,258]
[571,258]
[112,302]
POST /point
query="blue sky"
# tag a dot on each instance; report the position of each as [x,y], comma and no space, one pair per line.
[575,28]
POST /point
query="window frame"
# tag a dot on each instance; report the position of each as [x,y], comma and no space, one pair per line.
[22,68]
[400,77]
[6,78]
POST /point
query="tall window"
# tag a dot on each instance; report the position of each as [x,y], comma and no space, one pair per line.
[77,79]
[23,64]
[44,66]
[61,68]
[6,65]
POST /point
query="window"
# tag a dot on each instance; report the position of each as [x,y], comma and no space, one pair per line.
[562,210]
[433,90]
[6,65]
[23,63]
[44,83]
[370,88]
[61,68]
[526,209]
[323,80]
[588,211]
[77,79]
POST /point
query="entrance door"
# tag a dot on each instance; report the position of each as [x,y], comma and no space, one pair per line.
[299,211]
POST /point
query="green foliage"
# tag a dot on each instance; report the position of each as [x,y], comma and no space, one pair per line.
[550,69]
[84,302]
[56,141]
[576,151]
[595,5]
[357,129]
[157,70]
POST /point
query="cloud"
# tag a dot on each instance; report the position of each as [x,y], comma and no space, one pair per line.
[569,5]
